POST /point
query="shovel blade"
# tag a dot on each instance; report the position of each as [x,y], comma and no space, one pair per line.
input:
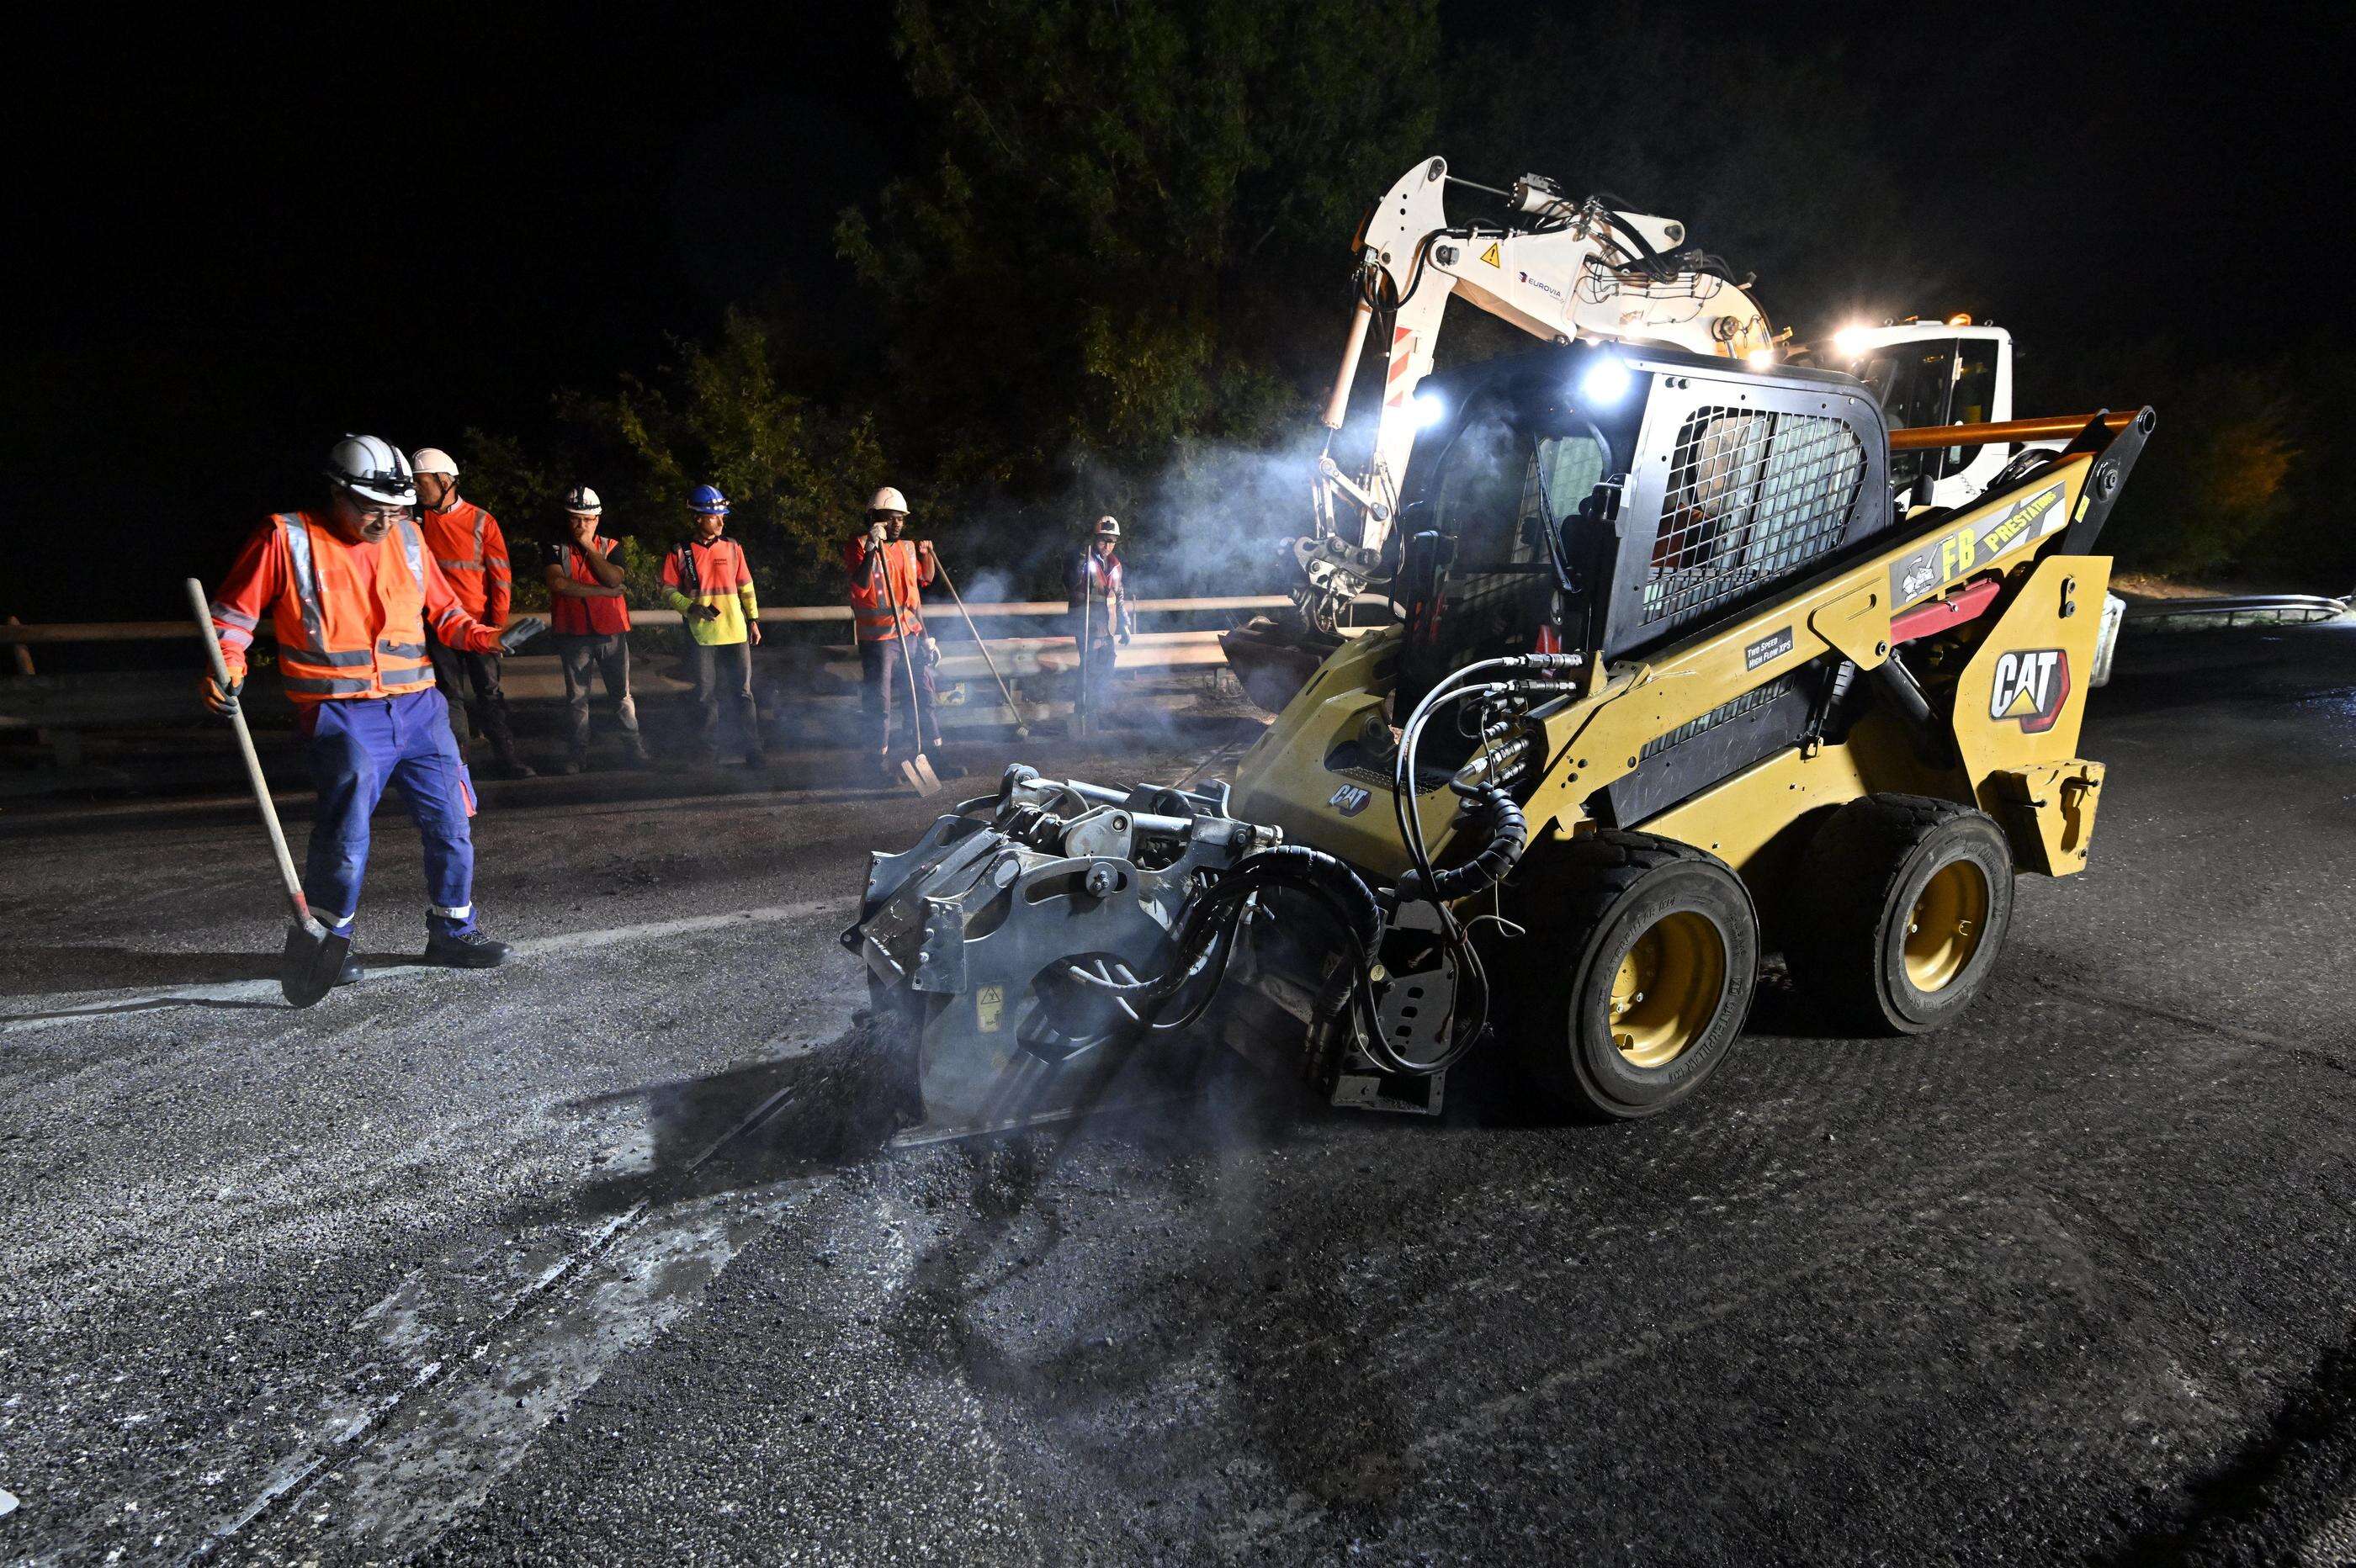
[918,771]
[315,957]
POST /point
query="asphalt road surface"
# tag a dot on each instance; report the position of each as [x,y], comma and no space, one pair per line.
[596,1258]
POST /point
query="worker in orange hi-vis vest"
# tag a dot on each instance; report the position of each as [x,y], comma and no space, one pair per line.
[349,590]
[886,572]
[466,544]
[590,611]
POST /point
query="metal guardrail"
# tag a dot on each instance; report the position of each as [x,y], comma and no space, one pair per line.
[2241,610]
[944,617]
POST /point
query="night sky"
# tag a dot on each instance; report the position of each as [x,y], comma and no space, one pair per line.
[247,237]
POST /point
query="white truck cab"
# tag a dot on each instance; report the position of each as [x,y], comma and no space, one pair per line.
[1935,372]
[1955,371]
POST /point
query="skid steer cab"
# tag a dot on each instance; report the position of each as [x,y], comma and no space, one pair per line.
[1680,681]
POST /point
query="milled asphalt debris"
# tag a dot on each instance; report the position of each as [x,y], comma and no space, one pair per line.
[610,1256]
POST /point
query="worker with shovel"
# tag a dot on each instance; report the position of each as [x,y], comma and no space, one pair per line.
[1101,620]
[350,589]
[895,657]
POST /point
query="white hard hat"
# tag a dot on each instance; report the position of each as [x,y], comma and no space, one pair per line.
[433,460]
[1107,527]
[581,502]
[887,499]
[374,470]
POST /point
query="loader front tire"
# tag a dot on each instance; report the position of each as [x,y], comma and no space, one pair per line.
[1901,908]
[1635,973]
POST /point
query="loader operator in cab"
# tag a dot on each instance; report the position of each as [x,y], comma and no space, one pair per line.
[350,589]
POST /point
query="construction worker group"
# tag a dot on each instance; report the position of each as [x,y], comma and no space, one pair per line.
[388,600]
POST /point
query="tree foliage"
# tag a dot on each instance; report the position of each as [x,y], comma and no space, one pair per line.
[1115,280]
[795,473]
[1117,188]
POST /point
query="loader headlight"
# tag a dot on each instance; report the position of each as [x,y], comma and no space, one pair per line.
[1606,382]
[1429,409]
[1850,342]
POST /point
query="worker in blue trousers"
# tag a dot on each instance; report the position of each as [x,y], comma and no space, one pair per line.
[351,589]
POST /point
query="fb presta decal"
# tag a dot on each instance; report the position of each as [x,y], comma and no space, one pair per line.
[1963,552]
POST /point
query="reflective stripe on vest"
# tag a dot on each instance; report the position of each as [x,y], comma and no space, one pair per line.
[320,685]
[413,546]
[306,583]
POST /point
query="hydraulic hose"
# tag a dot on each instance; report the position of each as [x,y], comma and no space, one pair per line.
[1488,810]
[1216,910]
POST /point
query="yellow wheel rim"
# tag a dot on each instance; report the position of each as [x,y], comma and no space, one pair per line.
[1667,989]
[1946,925]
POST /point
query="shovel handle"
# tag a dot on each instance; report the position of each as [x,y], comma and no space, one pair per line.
[940,566]
[900,627]
[301,906]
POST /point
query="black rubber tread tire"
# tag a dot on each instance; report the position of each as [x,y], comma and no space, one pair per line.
[1858,883]
[1583,902]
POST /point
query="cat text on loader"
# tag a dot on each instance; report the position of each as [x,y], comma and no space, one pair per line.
[1679,681]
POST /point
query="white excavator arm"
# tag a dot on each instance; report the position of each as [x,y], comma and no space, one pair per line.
[1558,269]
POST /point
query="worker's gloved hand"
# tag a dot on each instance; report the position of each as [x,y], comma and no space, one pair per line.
[705,611]
[519,633]
[876,535]
[1123,639]
[222,700]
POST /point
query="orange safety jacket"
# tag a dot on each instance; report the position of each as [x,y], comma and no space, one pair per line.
[344,630]
[473,554]
[871,606]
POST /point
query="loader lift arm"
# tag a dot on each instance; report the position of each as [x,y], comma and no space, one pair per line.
[1557,269]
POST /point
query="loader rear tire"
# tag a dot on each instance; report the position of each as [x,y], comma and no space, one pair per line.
[1635,973]
[1900,909]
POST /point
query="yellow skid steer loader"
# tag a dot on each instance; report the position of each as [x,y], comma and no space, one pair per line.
[1678,678]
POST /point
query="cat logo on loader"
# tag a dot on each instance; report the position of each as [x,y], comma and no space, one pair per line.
[2030,685]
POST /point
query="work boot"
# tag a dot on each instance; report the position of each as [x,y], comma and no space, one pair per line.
[351,973]
[577,763]
[467,949]
[639,757]
[514,767]
[756,759]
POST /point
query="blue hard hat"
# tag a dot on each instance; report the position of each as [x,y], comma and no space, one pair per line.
[707,499]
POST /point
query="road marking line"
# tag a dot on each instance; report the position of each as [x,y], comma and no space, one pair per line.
[79,1005]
